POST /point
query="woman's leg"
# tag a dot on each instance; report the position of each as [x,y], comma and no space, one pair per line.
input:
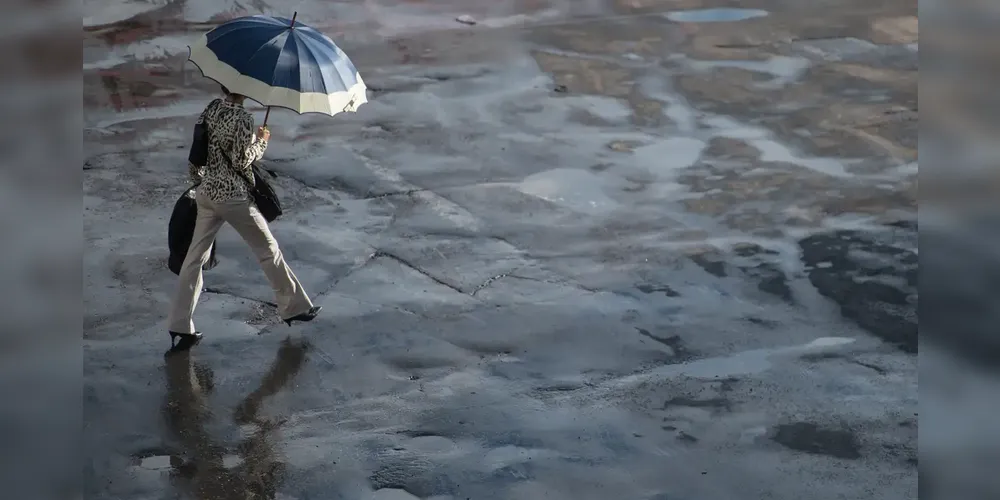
[250,224]
[190,282]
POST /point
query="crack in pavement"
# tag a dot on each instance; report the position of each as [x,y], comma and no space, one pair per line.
[334,183]
[408,192]
[510,274]
[566,283]
[219,291]
[488,282]
[482,286]
[873,367]
[337,184]
[383,253]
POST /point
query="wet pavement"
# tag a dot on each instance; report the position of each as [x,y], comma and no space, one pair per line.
[569,250]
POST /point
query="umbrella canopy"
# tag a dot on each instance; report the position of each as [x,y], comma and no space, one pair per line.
[280,62]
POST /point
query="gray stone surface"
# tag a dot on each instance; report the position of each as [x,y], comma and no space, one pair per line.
[573,251]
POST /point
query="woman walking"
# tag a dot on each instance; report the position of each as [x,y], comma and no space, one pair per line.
[222,195]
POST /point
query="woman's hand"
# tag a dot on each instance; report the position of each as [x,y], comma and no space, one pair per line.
[263,133]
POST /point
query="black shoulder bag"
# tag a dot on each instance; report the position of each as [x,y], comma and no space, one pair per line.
[263,194]
[198,155]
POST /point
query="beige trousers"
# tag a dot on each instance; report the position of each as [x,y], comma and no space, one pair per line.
[251,226]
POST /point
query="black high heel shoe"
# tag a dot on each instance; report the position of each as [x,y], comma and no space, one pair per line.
[187,341]
[306,316]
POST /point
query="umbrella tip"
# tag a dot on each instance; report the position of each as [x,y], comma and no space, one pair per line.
[294,15]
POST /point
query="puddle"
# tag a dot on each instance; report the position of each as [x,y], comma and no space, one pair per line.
[159,462]
[714,15]
[743,363]
[784,70]
[231,461]
[836,49]
[188,110]
[574,189]
[666,157]
[774,152]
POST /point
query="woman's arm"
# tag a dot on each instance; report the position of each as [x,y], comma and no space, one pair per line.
[246,150]
[258,147]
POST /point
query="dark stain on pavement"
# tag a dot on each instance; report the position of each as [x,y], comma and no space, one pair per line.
[811,438]
[771,279]
[685,437]
[710,403]
[714,267]
[664,289]
[873,282]
[674,342]
[752,250]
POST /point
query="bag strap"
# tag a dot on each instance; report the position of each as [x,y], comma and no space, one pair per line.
[229,161]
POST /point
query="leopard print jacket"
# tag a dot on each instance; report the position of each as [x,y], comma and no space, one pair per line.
[231,137]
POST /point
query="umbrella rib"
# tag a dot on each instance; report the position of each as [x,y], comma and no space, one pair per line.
[304,49]
[317,36]
[308,42]
[333,62]
[282,51]
[257,52]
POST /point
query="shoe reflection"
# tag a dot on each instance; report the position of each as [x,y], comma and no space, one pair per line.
[208,470]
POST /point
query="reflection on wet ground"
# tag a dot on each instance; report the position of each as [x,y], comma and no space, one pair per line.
[202,465]
[570,250]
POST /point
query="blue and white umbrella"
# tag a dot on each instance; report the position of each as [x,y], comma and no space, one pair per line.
[279,62]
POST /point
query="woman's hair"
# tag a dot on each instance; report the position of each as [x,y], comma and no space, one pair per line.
[225,90]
